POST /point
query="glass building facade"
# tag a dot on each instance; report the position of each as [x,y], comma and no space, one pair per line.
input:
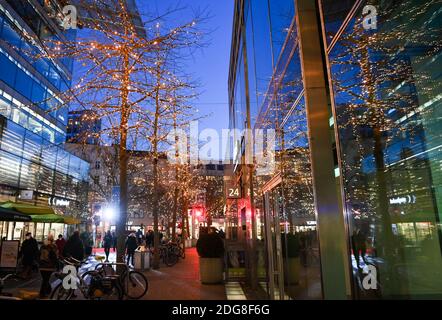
[352,209]
[34,166]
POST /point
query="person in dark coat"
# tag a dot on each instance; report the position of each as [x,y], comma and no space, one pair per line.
[131,246]
[107,244]
[114,241]
[149,238]
[359,243]
[74,247]
[48,264]
[29,253]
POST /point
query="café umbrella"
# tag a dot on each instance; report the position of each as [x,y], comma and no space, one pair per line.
[39,213]
[12,215]
[27,208]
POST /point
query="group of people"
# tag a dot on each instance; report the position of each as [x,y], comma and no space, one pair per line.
[148,238]
[133,241]
[48,256]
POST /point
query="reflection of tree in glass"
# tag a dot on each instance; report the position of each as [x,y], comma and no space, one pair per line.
[380,85]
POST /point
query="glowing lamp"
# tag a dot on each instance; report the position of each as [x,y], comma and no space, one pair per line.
[109,213]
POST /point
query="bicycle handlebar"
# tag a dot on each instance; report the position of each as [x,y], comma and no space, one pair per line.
[73,262]
[110,264]
[7,277]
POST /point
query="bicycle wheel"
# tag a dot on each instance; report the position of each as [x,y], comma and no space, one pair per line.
[170,258]
[136,286]
[176,250]
[89,293]
[60,293]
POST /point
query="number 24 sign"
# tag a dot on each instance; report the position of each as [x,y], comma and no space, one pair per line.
[233,193]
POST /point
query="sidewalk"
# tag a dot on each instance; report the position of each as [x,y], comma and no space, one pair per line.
[181,282]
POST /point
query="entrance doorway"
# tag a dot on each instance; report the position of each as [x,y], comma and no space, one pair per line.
[273,206]
[291,245]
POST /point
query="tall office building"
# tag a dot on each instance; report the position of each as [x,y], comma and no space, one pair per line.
[83,127]
[34,166]
[356,108]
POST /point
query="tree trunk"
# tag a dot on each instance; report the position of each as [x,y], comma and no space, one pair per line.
[175,206]
[209,219]
[123,163]
[156,256]
[185,218]
[385,229]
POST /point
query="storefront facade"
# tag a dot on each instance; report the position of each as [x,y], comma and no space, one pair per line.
[34,166]
[356,184]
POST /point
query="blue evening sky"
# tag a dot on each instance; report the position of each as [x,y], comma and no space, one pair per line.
[210,64]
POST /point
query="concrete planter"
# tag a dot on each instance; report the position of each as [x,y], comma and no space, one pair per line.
[211,270]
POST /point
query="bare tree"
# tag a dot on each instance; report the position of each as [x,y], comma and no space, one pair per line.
[125,82]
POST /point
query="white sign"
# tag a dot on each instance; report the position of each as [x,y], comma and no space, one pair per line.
[58,202]
[9,254]
[26,194]
[403,200]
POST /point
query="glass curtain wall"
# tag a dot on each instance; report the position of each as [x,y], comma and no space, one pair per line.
[386,84]
[287,245]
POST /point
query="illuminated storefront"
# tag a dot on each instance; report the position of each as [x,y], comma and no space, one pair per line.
[34,166]
[356,113]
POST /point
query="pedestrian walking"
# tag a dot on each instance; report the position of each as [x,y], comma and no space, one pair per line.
[359,244]
[149,239]
[98,240]
[107,244]
[131,246]
[114,241]
[74,247]
[29,253]
[221,233]
[48,264]
[139,236]
[60,243]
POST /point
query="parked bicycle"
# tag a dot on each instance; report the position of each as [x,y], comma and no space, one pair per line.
[169,255]
[177,248]
[92,284]
[134,284]
[3,295]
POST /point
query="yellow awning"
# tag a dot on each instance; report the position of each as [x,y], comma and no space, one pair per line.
[54,218]
[71,220]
